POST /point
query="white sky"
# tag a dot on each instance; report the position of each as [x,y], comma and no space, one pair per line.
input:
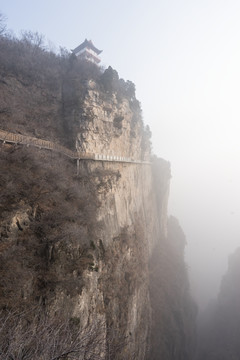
[184,57]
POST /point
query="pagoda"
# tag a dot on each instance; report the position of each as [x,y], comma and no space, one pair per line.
[88,51]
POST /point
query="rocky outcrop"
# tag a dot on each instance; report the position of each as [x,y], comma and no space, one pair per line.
[91,254]
[173,330]
[102,116]
[219,325]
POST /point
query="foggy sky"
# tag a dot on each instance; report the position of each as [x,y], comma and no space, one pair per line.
[184,58]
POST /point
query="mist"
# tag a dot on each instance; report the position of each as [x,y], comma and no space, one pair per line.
[184,59]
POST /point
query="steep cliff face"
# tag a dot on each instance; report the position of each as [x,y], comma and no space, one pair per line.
[89,254]
[173,331]
[220,324]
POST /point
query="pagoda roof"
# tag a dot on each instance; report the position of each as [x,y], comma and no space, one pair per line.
[87,44]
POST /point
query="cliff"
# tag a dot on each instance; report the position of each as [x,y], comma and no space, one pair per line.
[89,264]
[173,332]
[219,326]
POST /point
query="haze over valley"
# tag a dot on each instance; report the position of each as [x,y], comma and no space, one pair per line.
[179,101]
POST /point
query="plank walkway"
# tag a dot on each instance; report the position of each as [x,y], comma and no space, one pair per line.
[9,137]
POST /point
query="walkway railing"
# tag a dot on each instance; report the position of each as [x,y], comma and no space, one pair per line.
[10,137]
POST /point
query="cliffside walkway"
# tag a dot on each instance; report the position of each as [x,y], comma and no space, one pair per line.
[9,137]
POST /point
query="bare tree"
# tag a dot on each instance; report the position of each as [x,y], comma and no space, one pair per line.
[34,335]
[2,24]
[23,337]
[34,39]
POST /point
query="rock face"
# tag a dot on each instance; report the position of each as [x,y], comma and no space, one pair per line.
[219,327]
[89,254]
[173,331]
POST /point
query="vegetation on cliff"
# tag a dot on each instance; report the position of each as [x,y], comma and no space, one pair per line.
[45,79]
